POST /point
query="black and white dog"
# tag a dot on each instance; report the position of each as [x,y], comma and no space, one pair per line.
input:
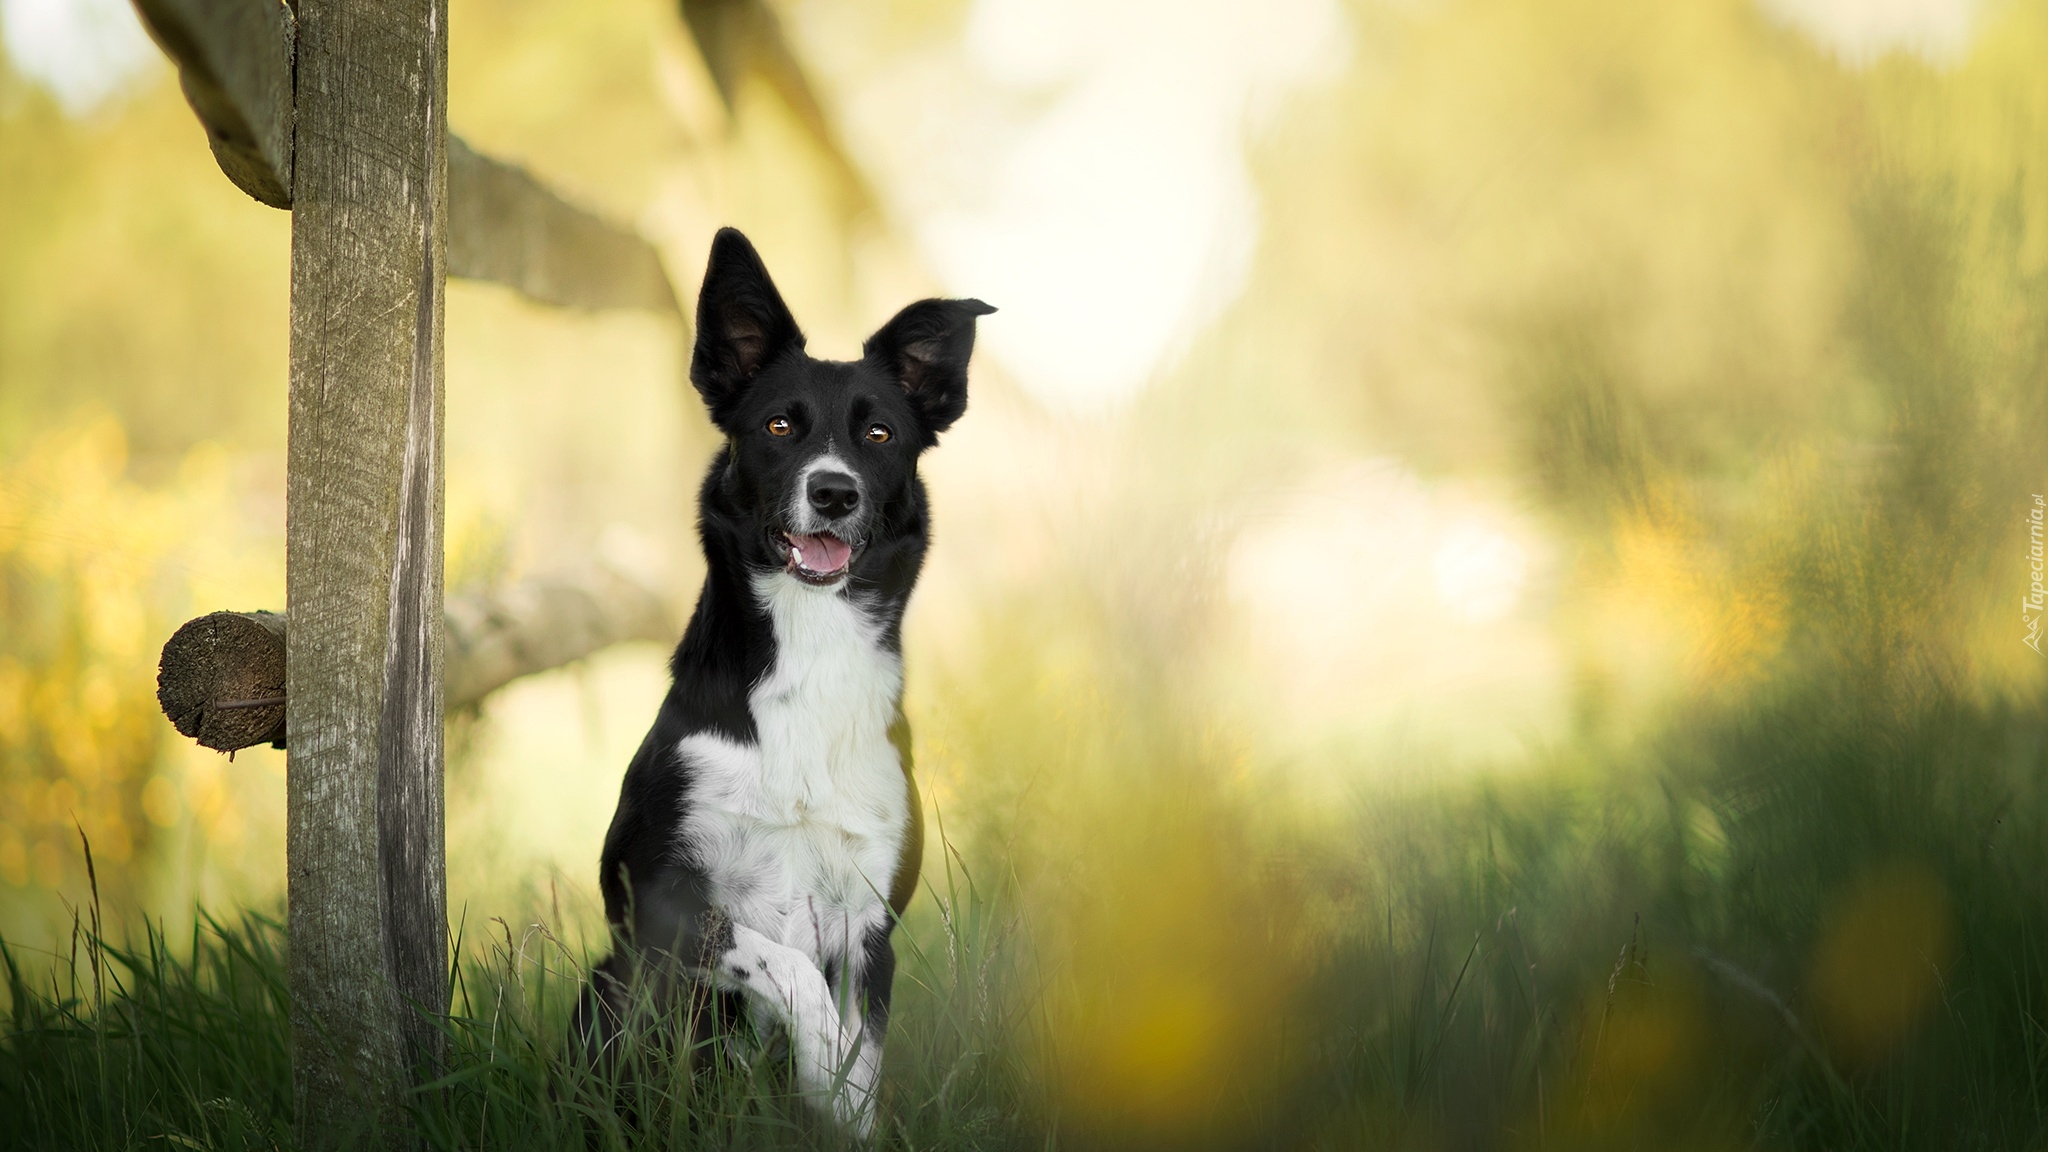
[768,831]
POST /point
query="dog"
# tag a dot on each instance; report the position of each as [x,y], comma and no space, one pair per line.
[769,832]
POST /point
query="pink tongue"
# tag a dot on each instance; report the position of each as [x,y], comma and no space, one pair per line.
[821,553]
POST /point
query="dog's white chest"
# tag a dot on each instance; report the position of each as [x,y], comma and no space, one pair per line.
[801,832]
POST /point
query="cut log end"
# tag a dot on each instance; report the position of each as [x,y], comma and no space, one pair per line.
[221,680]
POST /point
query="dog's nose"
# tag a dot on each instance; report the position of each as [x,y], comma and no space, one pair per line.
[833,493]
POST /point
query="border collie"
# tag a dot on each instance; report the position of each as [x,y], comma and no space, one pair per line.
[769,832]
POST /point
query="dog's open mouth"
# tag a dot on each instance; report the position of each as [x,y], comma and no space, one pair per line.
[818,559]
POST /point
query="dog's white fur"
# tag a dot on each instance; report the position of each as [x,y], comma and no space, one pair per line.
[800,834]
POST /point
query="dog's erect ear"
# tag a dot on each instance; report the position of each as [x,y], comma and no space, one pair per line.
[926,348]
[742,323]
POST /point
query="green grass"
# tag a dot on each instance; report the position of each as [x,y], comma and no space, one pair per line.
[162,1047]
[1596,956]
[1826,936]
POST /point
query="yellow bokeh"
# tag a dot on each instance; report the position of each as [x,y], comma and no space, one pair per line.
[94,570]
[1877,963]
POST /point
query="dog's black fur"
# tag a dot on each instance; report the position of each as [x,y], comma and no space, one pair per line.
[750,366]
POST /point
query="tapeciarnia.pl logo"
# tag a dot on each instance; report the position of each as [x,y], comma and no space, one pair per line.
[2037,596]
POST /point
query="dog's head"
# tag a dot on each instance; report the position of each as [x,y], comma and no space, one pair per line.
[820,450]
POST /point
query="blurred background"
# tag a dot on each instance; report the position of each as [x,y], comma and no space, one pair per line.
[1482,599]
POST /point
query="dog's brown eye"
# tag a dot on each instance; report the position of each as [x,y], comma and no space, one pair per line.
[779,426]
[878,433]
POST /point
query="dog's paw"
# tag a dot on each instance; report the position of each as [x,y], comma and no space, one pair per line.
[778,974]
[789,985]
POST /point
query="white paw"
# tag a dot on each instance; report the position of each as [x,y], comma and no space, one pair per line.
[779,975]
[784,981]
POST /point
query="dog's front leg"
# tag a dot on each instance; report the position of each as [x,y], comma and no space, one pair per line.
[855,1106]
[864,994]
[785,981]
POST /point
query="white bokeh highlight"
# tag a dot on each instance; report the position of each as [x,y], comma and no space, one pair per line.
[1480,571]
[83,51]
[1385,611]
[1861,32]
[1081,165]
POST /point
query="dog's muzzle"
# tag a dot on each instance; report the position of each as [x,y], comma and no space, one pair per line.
[827,529]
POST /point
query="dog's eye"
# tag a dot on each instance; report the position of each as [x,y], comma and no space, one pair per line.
[878,433]
[778,426]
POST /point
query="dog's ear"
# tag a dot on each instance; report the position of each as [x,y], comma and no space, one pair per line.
[925,349]
[742,323]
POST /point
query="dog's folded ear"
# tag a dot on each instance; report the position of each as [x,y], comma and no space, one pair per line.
[926,349]
[742,323]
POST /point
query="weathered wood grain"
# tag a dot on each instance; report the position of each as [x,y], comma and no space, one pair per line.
[505,226]
[221,679]
[234,61]
[365,828]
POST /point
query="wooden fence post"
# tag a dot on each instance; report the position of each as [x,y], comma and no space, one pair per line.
[367,890]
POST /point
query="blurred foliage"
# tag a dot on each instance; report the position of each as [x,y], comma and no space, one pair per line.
[94,569]
[75,737]
[134,280]
[1759,339]
[142,339]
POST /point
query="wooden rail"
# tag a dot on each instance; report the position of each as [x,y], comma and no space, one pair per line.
[505,226]
[221,679]
[740,38]
[235,62]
